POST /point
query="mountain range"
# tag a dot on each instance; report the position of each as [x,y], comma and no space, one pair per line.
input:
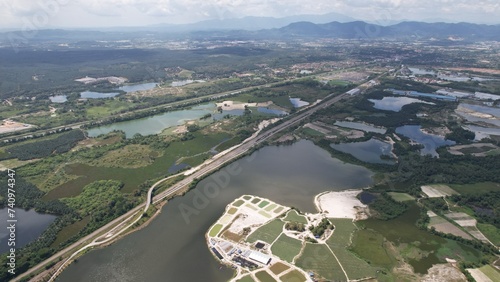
[301,29]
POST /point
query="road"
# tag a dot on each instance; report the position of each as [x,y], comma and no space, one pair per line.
[203,170]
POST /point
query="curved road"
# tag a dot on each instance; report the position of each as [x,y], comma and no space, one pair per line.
[203,170]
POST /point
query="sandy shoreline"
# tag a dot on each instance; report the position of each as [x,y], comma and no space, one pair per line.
[342,204]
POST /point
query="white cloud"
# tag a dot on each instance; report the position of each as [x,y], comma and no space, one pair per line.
[136,12]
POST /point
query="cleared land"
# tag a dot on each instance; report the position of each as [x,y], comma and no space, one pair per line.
[286,248]
[263,276]
[318,259]
[355,267]
[293,276]
[267,233]
[438,191]
[342,204]
[278,267]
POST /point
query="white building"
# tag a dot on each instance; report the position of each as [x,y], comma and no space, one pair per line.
[260,257]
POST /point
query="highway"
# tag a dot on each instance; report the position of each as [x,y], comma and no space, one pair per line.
[102,236]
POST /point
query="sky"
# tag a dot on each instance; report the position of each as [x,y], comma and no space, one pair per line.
[29,14]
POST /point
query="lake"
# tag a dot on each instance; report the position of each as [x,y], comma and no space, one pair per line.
[58,99]
[464,111]
[137,87]
[97,95]
[173,247]
[29,226]
[361,126]
[395,104]
[368,151]
[157,123]
[430,142]
[483,132]
[297,102]
[154,124]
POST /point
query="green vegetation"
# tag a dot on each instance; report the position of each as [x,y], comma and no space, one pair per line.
[238,203]
[320,229]
[318,259]
[371,246]
[476,188]
[263,276]
[44,148]
[295,226]
[286,248]
[101,199]
[263,204]
[491,232]
[355,267]
[293,276]
[435,204]
[293,216]
[386,207]
[491,272]
[215,230]
[400,197]
[267,233]
[486,206]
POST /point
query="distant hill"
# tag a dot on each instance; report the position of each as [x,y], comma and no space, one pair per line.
[254,23]
[247,29]
[363,30]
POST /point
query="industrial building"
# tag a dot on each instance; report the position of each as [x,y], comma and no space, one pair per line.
[260,257]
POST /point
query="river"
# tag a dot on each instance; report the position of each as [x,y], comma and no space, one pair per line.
[173,248]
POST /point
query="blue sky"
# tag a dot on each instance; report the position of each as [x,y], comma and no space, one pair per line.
[102,13]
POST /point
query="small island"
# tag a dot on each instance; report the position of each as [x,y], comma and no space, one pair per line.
[266,241]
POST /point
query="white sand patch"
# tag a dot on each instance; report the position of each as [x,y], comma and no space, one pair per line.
[247,217]
[443,272]
[342,204]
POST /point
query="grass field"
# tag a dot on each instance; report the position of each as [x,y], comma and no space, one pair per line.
[267,233]
[286,248]
[369,245]
[270,207]
[70,231]
[490,231]
[318,259]
[492,273]
[263,276]
[293,276]
[263,204]
[311,132]
[355,267]
[293,216]
[401,197]
[278,267]
[476,188]
[215,230]
[255,201]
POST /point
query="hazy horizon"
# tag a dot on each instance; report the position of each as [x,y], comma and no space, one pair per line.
[29,14]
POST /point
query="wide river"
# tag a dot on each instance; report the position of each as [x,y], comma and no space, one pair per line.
[173,248]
